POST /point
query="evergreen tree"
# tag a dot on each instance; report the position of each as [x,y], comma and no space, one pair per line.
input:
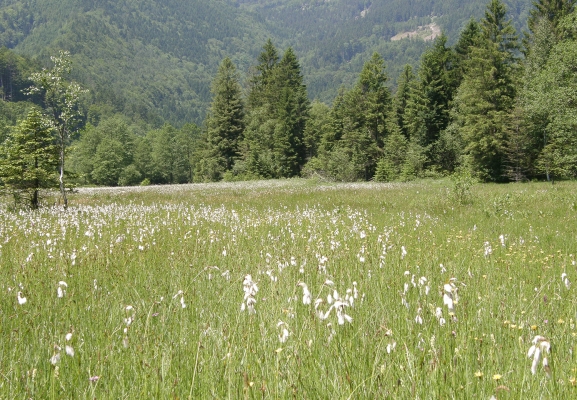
[261,87]
[427,112]
[225,122]
[552,95]
[550,10]
[29,160]
[486,95]
[274,138]
[544,34]
[405,82]
[468,39]
[318,126]
[376,98]
[291,113]
[361,118]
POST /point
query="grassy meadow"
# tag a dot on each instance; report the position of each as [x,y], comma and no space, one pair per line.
[292,289]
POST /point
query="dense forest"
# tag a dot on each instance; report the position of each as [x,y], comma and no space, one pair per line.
[153,61]
[493,103]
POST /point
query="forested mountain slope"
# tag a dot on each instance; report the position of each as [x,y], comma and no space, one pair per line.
[154,60]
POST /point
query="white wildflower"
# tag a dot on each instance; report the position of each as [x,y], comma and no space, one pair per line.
[56,355]
[565,280]
[250,289]
[450,296]
[61,291]
[391,347]
[307,298]
[21,299]
[418,318]
[130,314]
[540,346]
[283,336]
[488,249]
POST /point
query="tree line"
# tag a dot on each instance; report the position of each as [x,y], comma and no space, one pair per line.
[493,105]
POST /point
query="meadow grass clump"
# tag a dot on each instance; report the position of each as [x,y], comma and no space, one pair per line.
[288,289]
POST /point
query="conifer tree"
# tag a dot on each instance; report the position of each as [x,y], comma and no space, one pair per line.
[273,143]
[427,112]
[486,95]
[405,82]
[29,160]
[225,121]
[361,118]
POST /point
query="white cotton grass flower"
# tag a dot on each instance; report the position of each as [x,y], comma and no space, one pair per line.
[423,283]
[540,346]
[21,299]
[403,252]
[330,298]
[332,331]
[488,249]
[55,355]
[307,298]
[565,280]
[284,334]
[130,315]
[450,297]
[502,240]
[439,316]
[61,290]
[181,294]
[418,318]
[250,289]
[125,340]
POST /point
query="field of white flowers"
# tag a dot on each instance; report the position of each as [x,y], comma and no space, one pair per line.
[292,289]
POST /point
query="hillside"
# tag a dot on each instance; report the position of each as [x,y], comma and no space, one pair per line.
[155,60]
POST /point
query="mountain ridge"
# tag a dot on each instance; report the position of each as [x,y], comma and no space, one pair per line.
[155,60]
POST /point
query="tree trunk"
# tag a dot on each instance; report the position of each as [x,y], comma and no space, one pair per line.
[62,186]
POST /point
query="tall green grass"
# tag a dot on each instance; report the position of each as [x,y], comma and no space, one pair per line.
[157,248]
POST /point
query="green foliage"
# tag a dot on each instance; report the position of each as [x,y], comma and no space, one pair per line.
[486,95]
[461,193]
[390,166]
[555,94]
[29,160]
[278,110]
[152,302]
[225,122]
[61,101]
[360,122]
[427,110]
[175,47]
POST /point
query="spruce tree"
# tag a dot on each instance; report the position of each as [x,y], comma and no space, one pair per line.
[486,95]
[291,114]
[225,121]
[29,160]
[427,112]
[404,83]
[361,121]
[273,144]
